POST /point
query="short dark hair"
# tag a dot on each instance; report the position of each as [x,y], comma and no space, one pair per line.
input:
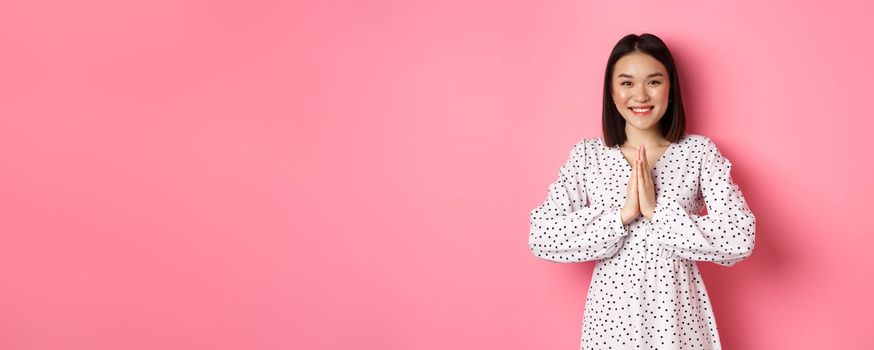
[673,123]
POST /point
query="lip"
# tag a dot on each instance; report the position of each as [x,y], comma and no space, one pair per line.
[644,114]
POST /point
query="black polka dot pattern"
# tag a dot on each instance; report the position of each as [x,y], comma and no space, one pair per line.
[646,290]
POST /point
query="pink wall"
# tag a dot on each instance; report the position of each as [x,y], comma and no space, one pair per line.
[336,175]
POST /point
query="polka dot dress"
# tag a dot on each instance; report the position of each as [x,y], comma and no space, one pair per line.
[646,290]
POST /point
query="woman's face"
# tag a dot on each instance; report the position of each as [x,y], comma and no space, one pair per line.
[639,80]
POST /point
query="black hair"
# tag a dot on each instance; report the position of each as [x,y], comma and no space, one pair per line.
[673,123]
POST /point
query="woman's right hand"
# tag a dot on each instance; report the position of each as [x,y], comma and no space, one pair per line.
[631,210]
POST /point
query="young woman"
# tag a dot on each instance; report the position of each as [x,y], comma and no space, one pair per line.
[632,202]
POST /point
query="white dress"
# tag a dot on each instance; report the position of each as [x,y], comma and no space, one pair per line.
[646,290]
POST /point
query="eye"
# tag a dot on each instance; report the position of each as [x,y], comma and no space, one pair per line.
[623,83]
[656,82]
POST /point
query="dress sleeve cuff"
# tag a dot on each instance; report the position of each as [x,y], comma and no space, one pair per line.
[616,222]
[658,214]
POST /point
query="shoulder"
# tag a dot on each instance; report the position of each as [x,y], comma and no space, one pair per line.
[706,150]
[589,146]
[698,143]
[589,143]
[695,139]
[583,148]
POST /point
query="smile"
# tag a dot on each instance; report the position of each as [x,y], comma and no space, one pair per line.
[641,112]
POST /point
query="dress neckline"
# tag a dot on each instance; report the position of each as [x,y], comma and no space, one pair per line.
[654,165]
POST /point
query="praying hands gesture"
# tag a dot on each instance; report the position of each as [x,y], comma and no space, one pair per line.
[640,195]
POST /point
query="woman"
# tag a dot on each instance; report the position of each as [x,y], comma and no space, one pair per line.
[632,201]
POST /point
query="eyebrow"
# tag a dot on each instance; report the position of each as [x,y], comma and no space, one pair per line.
[656,74]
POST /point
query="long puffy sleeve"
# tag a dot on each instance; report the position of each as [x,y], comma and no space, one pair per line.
[566,228]
[726,235]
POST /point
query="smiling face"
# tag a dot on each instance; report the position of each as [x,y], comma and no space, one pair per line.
[641,90]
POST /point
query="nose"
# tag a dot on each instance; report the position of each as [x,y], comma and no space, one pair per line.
[640,95]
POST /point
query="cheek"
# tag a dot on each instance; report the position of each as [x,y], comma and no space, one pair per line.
[665,92]
[660,94]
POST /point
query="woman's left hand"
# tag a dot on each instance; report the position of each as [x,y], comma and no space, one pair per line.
[645,185]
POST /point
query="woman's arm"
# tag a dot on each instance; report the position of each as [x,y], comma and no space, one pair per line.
[566,228]
[726,235]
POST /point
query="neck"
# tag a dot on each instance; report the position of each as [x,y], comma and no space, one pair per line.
[649,137]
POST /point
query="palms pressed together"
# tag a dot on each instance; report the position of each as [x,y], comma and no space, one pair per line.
[640,195]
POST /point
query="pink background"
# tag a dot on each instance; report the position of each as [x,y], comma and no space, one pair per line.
[351,174]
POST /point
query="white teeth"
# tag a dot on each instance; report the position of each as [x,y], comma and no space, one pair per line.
[641,110]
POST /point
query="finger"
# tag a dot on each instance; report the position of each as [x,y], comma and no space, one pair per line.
[643,155]
[644,173]
[639,173]
[646,168]
[641,182]
[647,179]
